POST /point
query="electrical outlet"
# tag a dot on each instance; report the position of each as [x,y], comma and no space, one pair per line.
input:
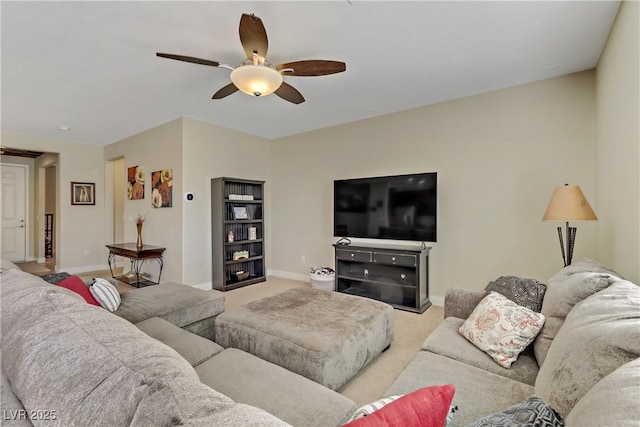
[303,259]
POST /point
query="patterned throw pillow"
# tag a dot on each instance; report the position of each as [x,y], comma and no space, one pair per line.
[526,292]
[54,278]
[105,293]
[501,328]
[532,412]
[425,407]
[370,408]
[75,284]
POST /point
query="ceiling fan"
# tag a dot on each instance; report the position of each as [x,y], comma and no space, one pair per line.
[255,75]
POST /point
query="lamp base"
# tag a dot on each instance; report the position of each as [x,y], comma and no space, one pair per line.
[567,255]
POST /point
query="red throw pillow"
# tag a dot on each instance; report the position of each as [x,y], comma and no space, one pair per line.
[75,284]
[426,407]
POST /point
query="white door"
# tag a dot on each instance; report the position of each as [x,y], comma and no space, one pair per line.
[14,212]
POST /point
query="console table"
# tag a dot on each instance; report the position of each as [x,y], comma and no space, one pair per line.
[397,275]
[136,256]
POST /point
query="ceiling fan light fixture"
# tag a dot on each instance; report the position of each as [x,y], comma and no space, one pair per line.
[256,80]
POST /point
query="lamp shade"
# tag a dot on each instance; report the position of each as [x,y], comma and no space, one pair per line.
[256,80]
[568,203]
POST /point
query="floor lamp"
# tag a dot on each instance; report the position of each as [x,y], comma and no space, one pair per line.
[568,203]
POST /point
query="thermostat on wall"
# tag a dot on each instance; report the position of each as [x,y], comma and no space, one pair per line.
[188,197]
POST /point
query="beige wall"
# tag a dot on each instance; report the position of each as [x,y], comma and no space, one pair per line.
[618,153]
[80,228]
[210,152]
[155,149]
[498,156]
[50,190]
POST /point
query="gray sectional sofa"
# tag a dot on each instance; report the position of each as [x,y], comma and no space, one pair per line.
[585,363]
[68,363]
[65,362]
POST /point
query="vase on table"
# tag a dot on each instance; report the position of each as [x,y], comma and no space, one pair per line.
[139,241]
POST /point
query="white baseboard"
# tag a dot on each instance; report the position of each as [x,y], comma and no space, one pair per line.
[76,270]
[289,275]
[437,300]
[41,260]
[207,286]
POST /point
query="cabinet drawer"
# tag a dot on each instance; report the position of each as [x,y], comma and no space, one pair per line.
[394,259]
[360,256]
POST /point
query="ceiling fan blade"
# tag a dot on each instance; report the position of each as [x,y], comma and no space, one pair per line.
[289,93]
[313,67]
[253,36]
[225,91]
[188,59]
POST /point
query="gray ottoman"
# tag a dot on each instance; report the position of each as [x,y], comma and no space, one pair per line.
[327,337]
[186,307]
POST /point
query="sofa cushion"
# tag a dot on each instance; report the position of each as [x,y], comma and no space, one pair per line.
[248,379]
[446,341]
[613,401]
[192,347]
[75,284]
[563,292]
[186,403]
[425,407]
[532,412]
[585,265]
[106,294]
[487,392]
[525,292]
[501,328]
[179,304]
[599,335]
[12,409]
[48,334]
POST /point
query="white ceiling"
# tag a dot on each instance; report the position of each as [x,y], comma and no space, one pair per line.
[91,66]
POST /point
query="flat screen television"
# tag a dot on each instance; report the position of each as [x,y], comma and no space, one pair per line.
[400,207]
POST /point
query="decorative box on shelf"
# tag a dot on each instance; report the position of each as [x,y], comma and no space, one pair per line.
[240,197]
[240,255]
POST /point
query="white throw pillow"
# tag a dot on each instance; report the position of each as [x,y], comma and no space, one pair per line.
[501,328]
[105,293]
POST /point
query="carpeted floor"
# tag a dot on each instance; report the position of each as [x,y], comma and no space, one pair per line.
[411,330]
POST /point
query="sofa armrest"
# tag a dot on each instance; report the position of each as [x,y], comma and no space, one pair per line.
[461,302]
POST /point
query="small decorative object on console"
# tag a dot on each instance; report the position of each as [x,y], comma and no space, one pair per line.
[139,224]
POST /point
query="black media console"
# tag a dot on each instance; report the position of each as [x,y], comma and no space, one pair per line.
[397,275]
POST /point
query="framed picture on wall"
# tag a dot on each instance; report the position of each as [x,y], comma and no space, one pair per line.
[83,193]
